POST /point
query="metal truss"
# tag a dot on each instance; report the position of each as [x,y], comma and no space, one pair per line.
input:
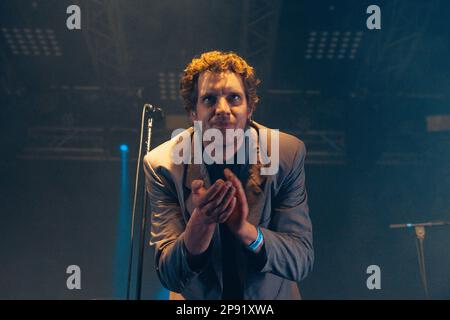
[329,148]
[97,144]
[324,147]
[76,143]
[103,31]
[416,149]
[10,84]
[391,49]
[259,32]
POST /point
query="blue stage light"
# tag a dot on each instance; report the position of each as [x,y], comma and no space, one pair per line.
[122,253]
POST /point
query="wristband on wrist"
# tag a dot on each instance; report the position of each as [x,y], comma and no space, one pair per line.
[255,244]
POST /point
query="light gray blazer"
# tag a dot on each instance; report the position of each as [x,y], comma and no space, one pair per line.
[277,204]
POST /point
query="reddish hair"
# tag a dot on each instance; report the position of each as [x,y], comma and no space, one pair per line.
[217,61]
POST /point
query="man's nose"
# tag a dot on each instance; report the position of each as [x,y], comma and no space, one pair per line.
[222,107]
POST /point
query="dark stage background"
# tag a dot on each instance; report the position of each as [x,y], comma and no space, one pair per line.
[373,107]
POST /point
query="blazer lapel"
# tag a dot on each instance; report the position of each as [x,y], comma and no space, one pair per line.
[254,188]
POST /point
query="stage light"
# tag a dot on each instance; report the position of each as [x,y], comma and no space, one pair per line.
[122,251]
[163,294]
[168,86]
[21,41]
[342,39]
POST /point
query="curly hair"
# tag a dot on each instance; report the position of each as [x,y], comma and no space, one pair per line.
[217,61]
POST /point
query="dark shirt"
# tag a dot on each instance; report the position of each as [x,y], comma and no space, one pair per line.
[232,283]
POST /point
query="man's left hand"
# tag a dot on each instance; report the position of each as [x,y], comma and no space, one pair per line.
[237,222]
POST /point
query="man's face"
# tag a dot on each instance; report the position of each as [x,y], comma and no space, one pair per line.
[221,101]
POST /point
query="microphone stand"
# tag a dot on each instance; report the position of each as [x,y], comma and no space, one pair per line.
[151,111]
[419,229]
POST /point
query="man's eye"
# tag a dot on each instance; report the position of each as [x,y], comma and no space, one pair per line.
[235,98]
[210,100]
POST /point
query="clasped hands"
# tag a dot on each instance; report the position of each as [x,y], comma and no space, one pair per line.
[223,202]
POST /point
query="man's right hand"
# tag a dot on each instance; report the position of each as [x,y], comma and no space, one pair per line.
[213,205]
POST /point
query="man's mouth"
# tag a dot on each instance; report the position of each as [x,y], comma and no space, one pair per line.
[222,125]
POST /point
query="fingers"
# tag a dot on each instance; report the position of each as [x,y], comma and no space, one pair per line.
[228,211]
[196,185]
[223,200]
[226,205]
[236,183]
[231,177]
[228,197]
[222,194]
[220,201]
[211,192]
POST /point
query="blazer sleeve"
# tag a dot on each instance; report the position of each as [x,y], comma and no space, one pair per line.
[288,241]
[167,230]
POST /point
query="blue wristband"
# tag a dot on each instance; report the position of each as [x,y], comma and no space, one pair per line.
[255,244]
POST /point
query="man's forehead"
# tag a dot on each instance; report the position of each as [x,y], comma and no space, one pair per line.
[220,81]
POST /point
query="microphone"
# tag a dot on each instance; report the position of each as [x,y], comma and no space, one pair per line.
[152,109]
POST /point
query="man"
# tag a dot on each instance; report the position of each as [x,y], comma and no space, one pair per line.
[222,229]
